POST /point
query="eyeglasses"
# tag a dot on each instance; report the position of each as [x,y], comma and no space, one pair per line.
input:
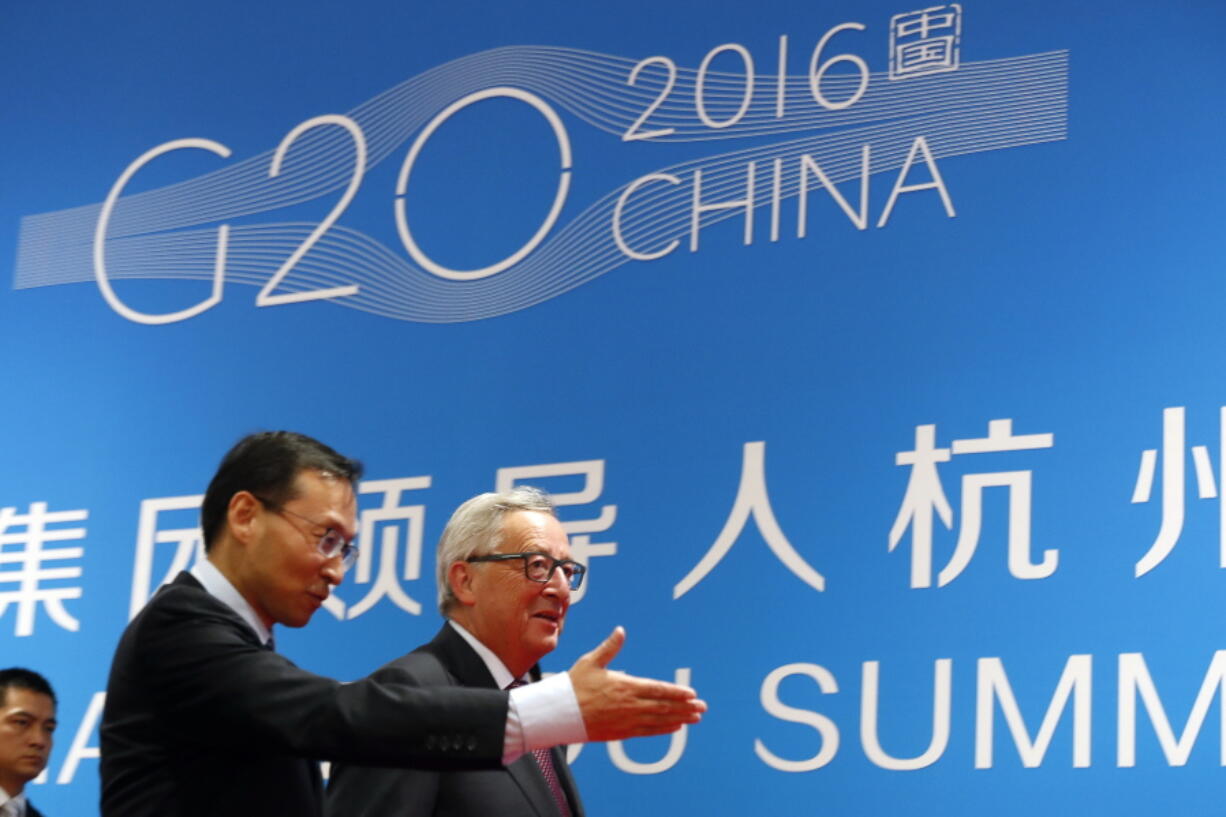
[539,567]
[332,543]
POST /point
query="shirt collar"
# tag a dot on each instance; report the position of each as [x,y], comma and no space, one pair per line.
[502,675]
[219,587]
[20,800]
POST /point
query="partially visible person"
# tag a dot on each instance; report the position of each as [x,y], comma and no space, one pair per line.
[504,577]
[204,719]
[27,722]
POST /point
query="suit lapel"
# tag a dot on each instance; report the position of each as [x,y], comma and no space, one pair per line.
[567,780]
[466,666]
[460,660]
[527,775]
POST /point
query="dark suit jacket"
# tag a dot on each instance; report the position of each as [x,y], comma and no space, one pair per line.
[200,719]
[518,790]
[31,811]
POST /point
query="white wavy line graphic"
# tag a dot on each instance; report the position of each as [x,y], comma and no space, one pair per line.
[990,105]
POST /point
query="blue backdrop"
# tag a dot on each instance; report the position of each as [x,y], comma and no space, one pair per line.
[875,351]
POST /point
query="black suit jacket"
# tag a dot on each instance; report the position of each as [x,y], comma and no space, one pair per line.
[31,811]
[200,719]
[518,790]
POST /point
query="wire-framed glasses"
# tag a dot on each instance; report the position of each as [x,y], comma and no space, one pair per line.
[331,543]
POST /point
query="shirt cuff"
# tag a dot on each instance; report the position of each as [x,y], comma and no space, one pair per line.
[542,715]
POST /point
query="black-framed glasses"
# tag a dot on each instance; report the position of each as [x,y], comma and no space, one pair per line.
[539,567]
[332,543]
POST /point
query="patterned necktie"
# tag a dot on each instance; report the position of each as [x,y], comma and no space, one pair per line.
[544,761]
[9,809]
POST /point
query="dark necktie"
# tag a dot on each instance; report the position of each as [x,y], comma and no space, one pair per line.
[544,761]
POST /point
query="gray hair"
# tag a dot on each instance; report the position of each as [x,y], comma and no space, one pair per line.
[475,529]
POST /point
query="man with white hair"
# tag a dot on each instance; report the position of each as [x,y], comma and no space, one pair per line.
[504,581]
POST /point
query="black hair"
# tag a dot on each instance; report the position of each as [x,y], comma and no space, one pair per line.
[24,679]
[266,464]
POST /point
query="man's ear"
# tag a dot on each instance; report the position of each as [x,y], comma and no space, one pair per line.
[460,576]
[243,516]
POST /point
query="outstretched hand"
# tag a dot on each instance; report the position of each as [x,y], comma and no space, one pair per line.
[616,706]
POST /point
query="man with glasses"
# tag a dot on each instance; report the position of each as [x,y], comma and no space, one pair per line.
[504,579]
[202,717]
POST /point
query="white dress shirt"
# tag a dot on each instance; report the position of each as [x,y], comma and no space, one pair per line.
[16,806]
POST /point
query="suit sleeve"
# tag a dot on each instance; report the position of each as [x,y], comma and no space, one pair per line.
[370,791]
[211,684]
